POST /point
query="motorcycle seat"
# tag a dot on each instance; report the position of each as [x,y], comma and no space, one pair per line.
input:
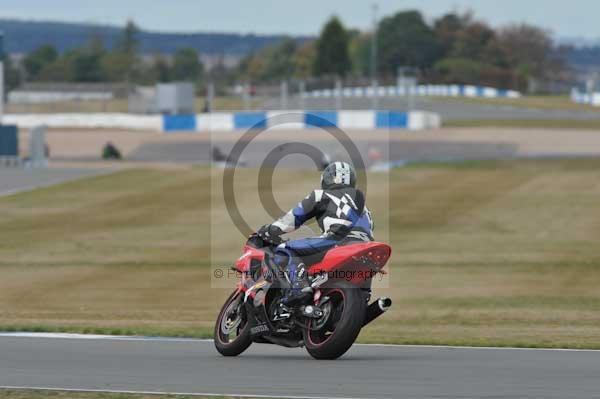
[311,250]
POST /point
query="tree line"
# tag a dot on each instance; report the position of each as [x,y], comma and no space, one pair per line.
[454,48]
[93,63]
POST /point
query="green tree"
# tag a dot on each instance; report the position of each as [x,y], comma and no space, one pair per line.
[528,49]
[60,70]
[279,60]
[117,67]
[221,76]
[473,41]
[459,70]
[447,30]
[474,54]
[243,67]
[186,65]
[161,70]
[404,39]
[304,59]
[360,53]
[468,71]
[12,75]
[86,66]
[122,64]
[276,62]
[87,61]
[252,68]
[332,50]
[34,62]
[129,42]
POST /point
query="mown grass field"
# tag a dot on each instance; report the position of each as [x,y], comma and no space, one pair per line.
[220,103]
[485,253]
[236,103]
[585,124]
[550,102]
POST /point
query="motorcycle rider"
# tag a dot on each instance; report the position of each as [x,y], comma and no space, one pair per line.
[340,211]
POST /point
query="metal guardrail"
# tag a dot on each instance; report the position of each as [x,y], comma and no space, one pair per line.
[590,98]
[418,90]
[11,162]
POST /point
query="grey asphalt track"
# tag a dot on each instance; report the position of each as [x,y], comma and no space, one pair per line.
[254,155]
[193,366]
[13,180]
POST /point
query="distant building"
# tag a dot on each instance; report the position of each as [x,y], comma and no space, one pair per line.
[227,60]
[165,98]
[37,93]
[142,100]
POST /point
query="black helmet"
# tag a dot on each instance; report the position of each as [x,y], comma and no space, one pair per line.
[337,175]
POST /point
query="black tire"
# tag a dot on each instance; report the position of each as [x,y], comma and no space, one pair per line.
[341,330]
[242,341]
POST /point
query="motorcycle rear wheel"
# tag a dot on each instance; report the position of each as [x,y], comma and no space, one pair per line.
[347,309]
[232,320]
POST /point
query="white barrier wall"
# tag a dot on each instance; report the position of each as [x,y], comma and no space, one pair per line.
[419,90]
[585,98]
[214,121]
[292,119]
[222,121]
[355,120]
[419,120]
[41,97]
[93,120]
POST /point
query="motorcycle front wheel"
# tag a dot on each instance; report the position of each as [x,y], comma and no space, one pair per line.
[332,335]
[232,330]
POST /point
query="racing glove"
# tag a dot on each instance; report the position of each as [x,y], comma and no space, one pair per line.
[270,233]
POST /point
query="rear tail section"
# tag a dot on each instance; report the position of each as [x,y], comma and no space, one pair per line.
[354,263]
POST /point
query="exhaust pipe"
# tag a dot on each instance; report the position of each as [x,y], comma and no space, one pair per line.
[376,309]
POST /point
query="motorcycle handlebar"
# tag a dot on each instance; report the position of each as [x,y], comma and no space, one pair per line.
[266,243]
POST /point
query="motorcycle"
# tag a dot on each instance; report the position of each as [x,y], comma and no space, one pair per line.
[327,326]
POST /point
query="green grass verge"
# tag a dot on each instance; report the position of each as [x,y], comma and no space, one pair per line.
[220,103]
[56,394]
[527,123]
[548,102]
[207,333]
[486,253]
[200,332]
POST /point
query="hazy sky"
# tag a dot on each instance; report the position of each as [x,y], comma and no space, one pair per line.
[564,18]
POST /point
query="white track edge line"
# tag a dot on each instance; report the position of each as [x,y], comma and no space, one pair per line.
[33,187]
[167,339]
[133,392]
[97,337]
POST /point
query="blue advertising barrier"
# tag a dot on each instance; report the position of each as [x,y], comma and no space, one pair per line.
[173,123]
[344,119]
[391,120]
[320,118]
[247,120]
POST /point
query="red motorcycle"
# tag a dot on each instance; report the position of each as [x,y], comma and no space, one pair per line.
[328,326]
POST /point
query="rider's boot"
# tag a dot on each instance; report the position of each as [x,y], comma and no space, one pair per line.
[301,291]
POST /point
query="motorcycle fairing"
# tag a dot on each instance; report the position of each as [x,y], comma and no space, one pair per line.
[360,260]
[244,262]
